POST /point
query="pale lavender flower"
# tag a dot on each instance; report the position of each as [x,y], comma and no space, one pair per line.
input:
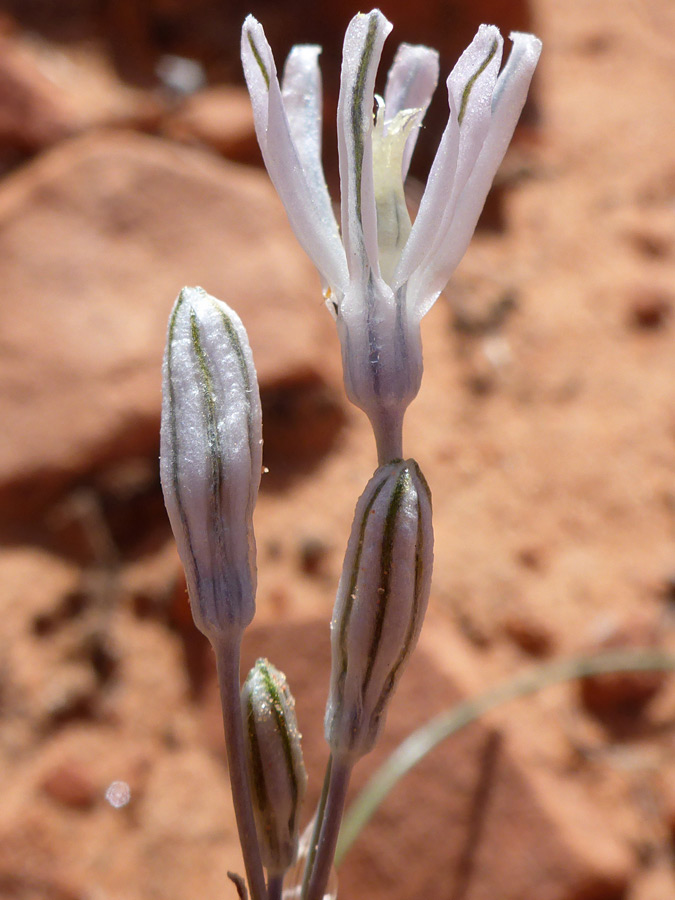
[275,764]
[211,458]
[382,273]
[380,604]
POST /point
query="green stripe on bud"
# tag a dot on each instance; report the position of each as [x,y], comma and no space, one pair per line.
[211,458]
[276,768]
[381,602]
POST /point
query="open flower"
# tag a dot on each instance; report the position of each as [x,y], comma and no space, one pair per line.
[383,273]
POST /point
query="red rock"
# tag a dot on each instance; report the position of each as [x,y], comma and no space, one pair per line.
[666,799]
[98,237]
[620,698]
[650,309]
[652,243]
[218,117]
[79,85]
[655,883]
[483,823]
[31,864]
[623,693]
[530,635]
[170,806]
[301,416]
[34,113]
[70,786]
[153,583]
[34,586]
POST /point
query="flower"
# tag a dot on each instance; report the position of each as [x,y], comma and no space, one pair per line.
[275,764]
[211,458]
[383,273]
[380,604]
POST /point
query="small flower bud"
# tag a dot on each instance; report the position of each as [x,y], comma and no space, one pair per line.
[381,602]
[211,458]
[277,772]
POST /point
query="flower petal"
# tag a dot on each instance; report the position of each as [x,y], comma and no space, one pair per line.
[508,100]
[301,93]
[437,194]
[411,83]
[307,205]
[470,87]
[361,54]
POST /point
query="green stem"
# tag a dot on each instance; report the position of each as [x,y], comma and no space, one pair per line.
[420,742]
[340,771]
[228,652]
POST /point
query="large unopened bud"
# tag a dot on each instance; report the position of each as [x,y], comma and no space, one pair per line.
[380,605]
[276,769]
[211,457]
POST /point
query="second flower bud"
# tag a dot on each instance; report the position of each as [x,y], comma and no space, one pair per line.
[276,768]
[381,601]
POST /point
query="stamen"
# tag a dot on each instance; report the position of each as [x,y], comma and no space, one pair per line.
[393,220]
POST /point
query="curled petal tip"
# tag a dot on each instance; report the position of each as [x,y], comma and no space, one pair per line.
[525,36]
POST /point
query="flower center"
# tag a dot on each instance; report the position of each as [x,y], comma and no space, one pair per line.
[393,221]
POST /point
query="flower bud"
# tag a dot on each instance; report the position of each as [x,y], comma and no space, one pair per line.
[381,602]
[211,458]
[277,772]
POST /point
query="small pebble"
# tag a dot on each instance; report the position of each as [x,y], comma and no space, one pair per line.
[532,637]
[621,698]
[649,310]
[313,553]
[118,794]
[68,785]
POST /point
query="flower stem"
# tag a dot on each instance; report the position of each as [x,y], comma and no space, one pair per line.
[388,430]
[340,772]
[316,831]
[228,652]
[275,887]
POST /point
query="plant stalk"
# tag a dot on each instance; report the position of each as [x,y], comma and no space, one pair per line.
[228,653]
[389,437]
[316,831]
[340,772]
[275,887]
